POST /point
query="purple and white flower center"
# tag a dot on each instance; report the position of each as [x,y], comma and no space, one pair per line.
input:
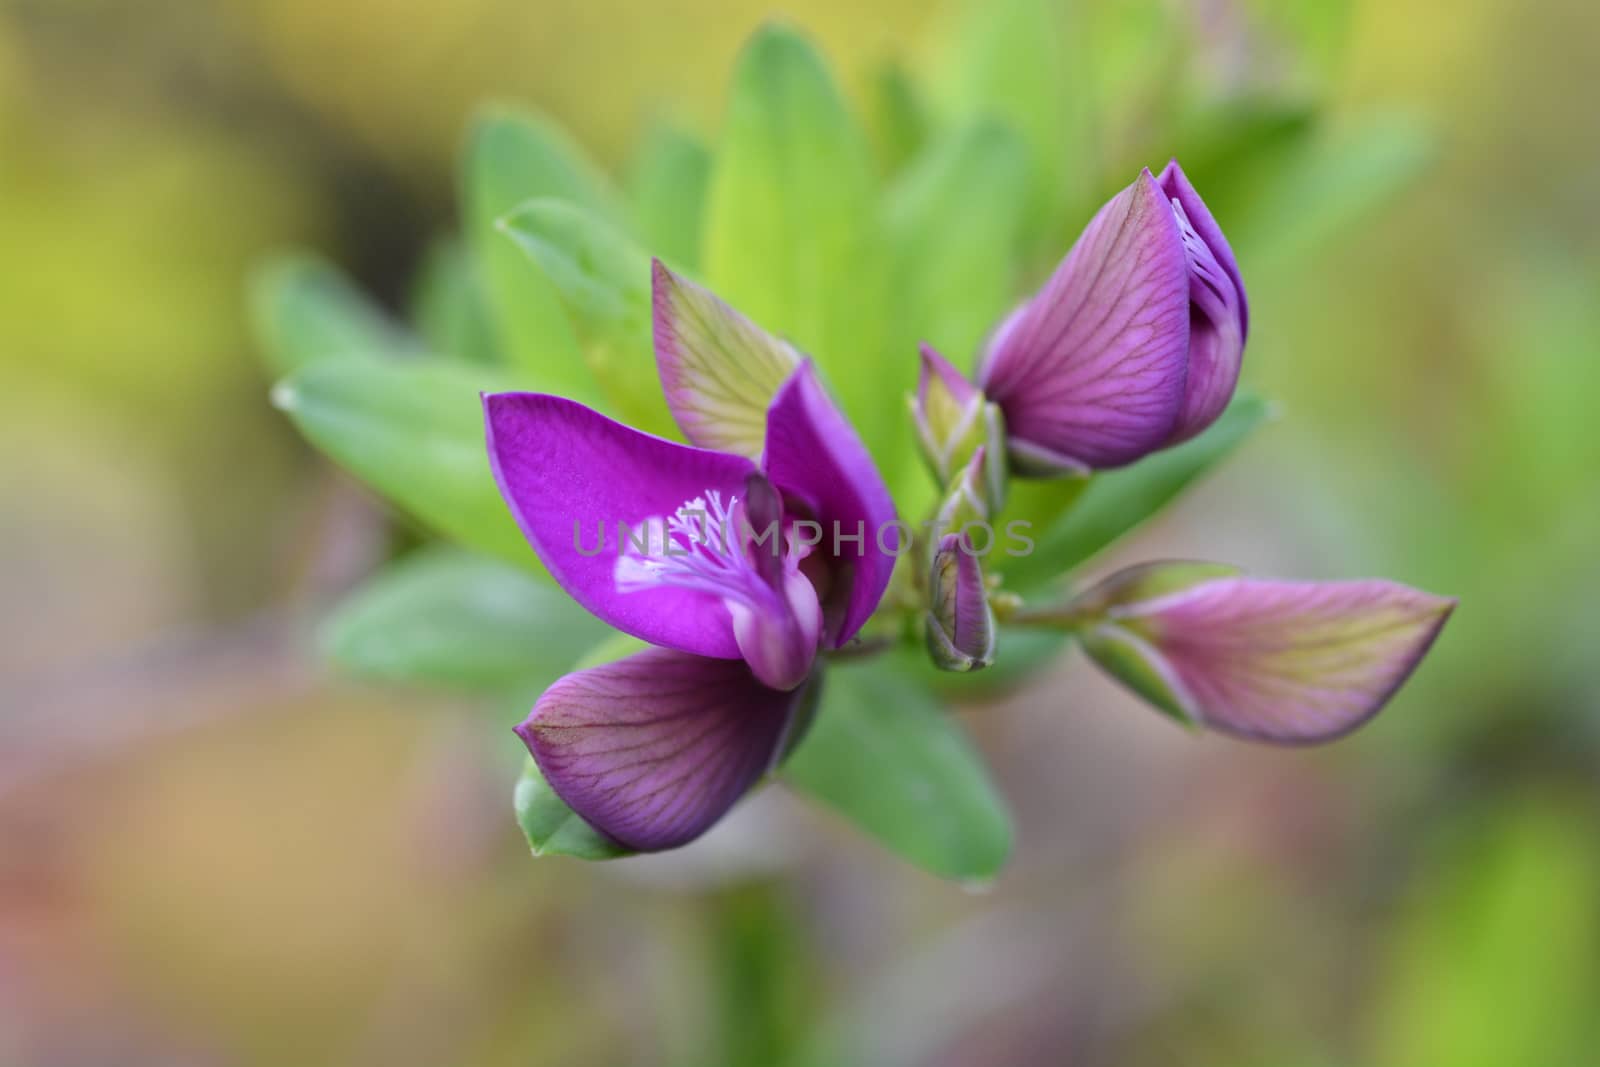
[708,545]
[698,546]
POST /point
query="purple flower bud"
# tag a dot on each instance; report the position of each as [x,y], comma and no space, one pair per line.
[1132,345]
[1269,660]
[954,419]
[960,624]
[975,495]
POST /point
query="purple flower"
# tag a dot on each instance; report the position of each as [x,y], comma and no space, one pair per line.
[1264,659]
[739,571]
[1132,345]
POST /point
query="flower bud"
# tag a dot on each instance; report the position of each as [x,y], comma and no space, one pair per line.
[1134,344]
[960,624]
[952,416]
[976,494]
[1264,659]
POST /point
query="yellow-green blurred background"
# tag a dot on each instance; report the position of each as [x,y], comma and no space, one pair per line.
[212,852]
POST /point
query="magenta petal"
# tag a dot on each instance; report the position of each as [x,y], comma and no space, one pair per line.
[1219,316]
[813,454]
[570,475]
[653,749]
[1091,373]
[1285,661]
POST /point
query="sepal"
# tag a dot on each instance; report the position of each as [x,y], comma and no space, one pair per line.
[719,370]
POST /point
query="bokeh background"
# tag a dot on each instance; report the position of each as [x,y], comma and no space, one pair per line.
[213,850]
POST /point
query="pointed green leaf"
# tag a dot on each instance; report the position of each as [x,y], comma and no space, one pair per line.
[1016,60]
[603,279]
[449,617]
[1020,654]
[450,306]
[552,829]
[1229,142]
[1114,502]
[1279,211]
[790,230]
[667,192]
[953,221]
[305,309]
[511,159]
[885,754]
[898,115]
[414,432]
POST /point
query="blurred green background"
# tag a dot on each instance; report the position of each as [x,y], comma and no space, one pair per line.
[214,852]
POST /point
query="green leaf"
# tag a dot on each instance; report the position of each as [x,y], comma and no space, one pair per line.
[1224,143]
[453,618]
[603,279]
[790,230]
[1015,60]
[414,432]
[1277,213]
[1114,502]
[953,222]
[885,754]
[449,304]
[552,829]
[898,115]
[511,159]
[667,192]
[1020,654]
[305,309]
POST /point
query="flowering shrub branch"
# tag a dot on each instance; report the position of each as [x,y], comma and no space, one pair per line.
[738,402]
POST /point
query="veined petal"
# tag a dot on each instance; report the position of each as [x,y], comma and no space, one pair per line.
[1091,373]
[1272,660]
[1219,318]
[653,749]
[814,454]
[718,369]
[570,476]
